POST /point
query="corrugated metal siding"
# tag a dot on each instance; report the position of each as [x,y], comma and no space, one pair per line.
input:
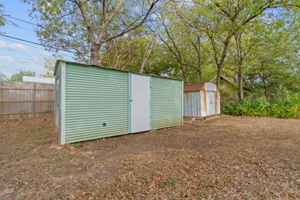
[95,96]
[192,104]
[207,100]
[166,103]
[211,102]
[57,97]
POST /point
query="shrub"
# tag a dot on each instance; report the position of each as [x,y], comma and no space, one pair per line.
[287,109]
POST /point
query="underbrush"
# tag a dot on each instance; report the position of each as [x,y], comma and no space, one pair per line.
[280,109]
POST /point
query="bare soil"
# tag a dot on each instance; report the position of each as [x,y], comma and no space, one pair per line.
[223,158]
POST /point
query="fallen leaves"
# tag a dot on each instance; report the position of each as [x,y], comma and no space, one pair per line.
[226,158]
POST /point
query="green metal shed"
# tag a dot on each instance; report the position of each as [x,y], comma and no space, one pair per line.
[94,102]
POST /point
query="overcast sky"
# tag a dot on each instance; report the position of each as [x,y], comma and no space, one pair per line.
[16,55]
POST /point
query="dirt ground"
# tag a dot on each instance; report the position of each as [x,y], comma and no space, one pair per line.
[224,158]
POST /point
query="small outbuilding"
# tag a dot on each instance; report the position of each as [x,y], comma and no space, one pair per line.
[95,102]
[201,100]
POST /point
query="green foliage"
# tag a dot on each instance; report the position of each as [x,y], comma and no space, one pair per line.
[2,19]
[19,76]
[86,27]
[261,107]
[168,182]
[255,43]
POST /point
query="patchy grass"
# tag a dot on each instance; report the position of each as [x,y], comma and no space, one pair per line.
[168,182]
[225,158]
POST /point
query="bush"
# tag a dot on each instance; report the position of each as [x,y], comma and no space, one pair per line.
[287,109]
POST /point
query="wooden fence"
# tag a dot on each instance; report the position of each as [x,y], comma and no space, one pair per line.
[25,100]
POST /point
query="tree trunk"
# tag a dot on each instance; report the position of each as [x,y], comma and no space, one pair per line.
[184,75]
[240,84]
[218,78]
[200,77]
[151,45]
[220,63]
[199,59]
[95,48]
[264,79]
[240,58]
[236,75]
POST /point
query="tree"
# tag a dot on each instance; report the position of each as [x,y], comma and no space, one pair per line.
[49,65]
[2,19]
[245,43]
[19,76]
[184,44]
[221,20]
[128,54]
[86,26]
[255,42]
[271,49]
[2,77]
[152,42]
[273,68]
[123,52]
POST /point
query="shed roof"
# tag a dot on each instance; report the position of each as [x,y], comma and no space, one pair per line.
[194,87]
[88,65]
[200,86]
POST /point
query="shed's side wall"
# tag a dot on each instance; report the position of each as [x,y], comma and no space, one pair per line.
[96,103]
[166,103]
[192,104]
[57,96]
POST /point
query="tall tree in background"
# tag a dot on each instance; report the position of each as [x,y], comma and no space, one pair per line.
[86,26]
[49,65]
[274,65]
[221,20]
[183,43]
[161,18]
[193,40]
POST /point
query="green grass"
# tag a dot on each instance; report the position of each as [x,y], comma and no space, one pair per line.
[168,182]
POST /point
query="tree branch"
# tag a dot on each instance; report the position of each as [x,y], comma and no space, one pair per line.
[126,30]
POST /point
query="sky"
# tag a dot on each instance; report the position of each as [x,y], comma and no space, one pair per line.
[16,56]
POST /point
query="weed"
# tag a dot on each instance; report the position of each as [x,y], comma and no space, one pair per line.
[202,192]
[168,182]
[46,111]
[83,185]
[127,186]
[260,189]
[145,180]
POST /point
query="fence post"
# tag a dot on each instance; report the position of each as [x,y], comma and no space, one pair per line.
[33,100]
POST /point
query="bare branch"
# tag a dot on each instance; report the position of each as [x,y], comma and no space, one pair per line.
[126,30]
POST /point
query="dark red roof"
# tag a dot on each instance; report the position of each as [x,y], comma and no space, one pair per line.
[194,87]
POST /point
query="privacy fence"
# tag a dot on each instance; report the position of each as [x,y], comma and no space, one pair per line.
[25,100]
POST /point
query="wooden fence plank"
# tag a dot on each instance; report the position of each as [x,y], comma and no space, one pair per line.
[37,89]
[24,100]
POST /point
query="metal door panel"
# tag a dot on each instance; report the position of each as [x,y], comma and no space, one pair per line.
[211,102]
[140,103]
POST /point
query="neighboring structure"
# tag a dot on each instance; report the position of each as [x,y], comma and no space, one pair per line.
[34,79]
[96,102]
[228,90]
[201,99]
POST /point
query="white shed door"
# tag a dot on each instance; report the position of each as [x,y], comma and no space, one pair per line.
[211,103]
[140,103]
